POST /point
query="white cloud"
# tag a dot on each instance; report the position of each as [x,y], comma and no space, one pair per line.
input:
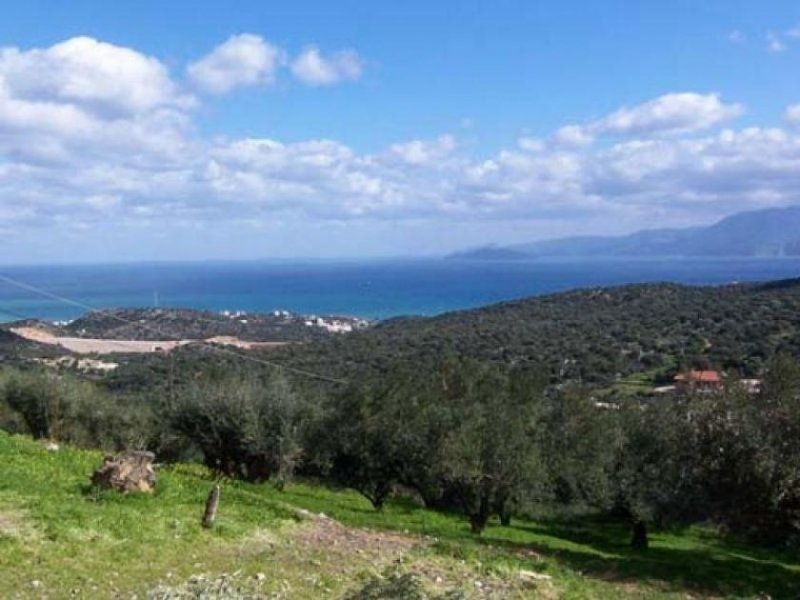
[424,152]
[573,136]
[93,155]
[792,114]
[94,75]
[313,68]
[775,42]
[242,60]
[83,99]
[530,144]
[668,114]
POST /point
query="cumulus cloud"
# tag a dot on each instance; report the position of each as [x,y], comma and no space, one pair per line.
[242,60]
[76,148]
[313,68]
[668,114]
[94,75]
[83,99]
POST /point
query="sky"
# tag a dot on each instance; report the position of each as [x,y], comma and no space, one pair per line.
[137,131]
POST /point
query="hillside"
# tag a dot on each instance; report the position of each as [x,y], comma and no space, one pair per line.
[592,335]
[763,233]
[59,539]
[179,323]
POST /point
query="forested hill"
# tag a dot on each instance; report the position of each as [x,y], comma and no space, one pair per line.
[591,335]
[184,323]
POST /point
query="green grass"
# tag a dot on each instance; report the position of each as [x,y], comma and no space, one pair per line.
[55,531]
[584,555]
[642,382]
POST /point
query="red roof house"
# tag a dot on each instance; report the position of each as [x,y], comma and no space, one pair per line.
[696,380]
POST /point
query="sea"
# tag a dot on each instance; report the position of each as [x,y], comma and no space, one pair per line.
[374,289]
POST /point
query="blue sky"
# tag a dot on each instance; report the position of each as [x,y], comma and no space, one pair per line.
[147,130]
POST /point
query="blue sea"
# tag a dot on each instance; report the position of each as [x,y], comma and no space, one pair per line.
[371,288]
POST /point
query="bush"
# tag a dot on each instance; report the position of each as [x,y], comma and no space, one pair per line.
[64,408]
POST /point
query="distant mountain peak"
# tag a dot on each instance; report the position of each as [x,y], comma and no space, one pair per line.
[770,232]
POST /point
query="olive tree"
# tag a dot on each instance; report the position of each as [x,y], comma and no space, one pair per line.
[246,427]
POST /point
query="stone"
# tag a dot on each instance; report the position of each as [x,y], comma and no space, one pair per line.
[127,472]
[533,575]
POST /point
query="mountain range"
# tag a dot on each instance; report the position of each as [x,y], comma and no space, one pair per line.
[772,232]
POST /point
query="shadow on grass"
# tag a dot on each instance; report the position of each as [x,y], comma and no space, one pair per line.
[600,550]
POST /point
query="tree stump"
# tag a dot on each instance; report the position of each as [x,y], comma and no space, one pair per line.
[211,507]
[128,472]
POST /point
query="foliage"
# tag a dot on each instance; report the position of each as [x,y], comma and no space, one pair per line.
[64,408]
[490,456]
[251,428]
[730,457]
[581,444]
[592,336]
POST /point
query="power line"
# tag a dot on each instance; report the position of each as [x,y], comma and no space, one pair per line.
[42,292]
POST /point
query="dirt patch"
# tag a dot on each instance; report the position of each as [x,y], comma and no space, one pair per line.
[80,345]
[374,547]
[95,346]
[14,524]
[351,552]
[228,340]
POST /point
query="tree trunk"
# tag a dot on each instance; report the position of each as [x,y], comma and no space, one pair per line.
[639,540]
[505,518]
[379,495]
[477,522]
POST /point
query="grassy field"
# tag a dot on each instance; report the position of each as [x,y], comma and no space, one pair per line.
[60,539]
[642,382]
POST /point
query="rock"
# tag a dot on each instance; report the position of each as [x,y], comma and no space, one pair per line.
[128,472]
[533,576]
[51,446]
